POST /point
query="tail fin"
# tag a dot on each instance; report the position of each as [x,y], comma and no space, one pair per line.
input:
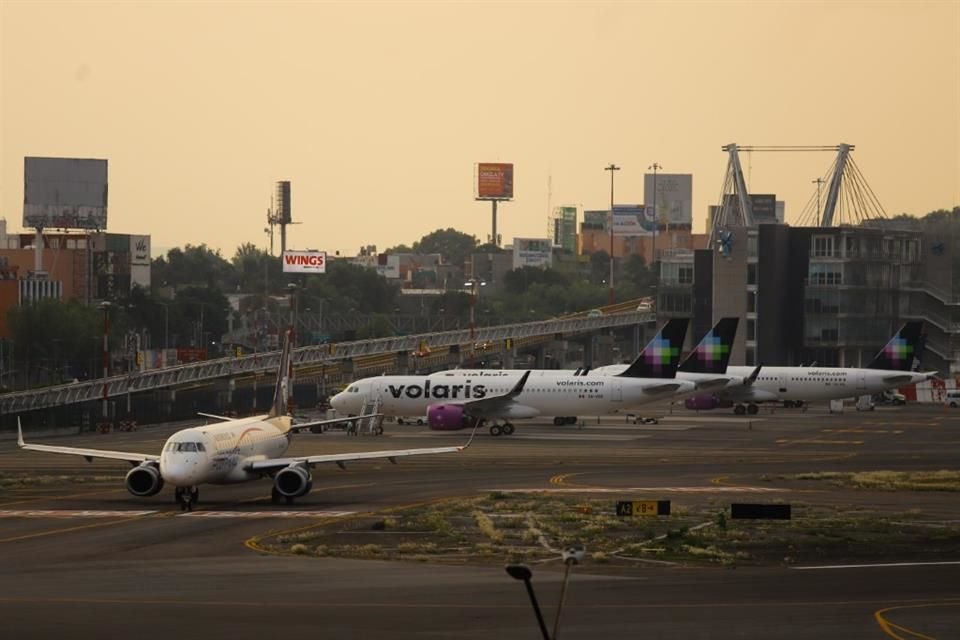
[660,357]
[279,406]
[713,352]
[905,346]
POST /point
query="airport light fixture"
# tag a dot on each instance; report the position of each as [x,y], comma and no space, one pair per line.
[522,572]
[474,285]
[571,555]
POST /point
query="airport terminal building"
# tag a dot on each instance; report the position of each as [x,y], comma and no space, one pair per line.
[829,295]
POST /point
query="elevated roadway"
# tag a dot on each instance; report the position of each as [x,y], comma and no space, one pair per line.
[305,357]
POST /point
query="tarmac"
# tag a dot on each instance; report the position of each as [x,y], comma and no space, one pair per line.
[82,558]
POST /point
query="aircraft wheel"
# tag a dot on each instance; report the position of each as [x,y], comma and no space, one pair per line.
[379,430]
[275,496]
[399,420]
[289,499]
[557,421]
[508,429]
[495,430]
[753,409]
[572,420]
[195,495]
[739,410]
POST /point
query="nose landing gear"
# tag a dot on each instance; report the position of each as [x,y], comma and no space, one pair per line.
[186,497]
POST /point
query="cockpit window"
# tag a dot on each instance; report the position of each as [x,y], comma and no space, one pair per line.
[352,388]
[188,446]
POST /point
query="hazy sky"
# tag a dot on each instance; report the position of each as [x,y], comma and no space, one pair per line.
[377,111]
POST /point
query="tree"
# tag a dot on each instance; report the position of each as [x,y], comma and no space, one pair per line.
[454,245]
[256,271]
[194,266]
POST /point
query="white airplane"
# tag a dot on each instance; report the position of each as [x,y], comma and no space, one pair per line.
[236,450]
[451,400]
[891,368]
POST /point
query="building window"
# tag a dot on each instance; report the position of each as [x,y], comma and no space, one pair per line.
[823,246]
[686,274]
[751,274]
[751,301]
[751,246]
[751,329]
[751,356]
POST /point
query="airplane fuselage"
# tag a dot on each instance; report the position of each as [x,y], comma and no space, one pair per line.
[219,453]
[810,384]
[545,393]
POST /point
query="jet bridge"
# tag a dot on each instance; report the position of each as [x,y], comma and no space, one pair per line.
[326,354]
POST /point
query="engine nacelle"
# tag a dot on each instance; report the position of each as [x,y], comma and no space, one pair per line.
[144,480]
[702,402]
[293,482]
[446,417]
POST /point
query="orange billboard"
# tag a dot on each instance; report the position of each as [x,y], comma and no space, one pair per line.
[495,180]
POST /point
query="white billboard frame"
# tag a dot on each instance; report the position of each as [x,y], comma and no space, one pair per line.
[304,261]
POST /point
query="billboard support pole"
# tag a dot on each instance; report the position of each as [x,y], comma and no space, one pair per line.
[612,168]
[493,237]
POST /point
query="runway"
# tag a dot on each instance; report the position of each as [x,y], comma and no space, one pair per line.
[84,558]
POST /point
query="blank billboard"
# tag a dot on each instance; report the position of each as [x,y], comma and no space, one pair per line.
[65,193]
[494,181]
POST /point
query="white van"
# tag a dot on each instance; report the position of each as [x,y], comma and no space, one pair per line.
[952,399]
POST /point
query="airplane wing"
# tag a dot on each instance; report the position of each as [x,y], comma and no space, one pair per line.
[711,383]
[224,418]
[662,387]
[897,379]
[89,454]
[493,404]
[339,459]
[300,426]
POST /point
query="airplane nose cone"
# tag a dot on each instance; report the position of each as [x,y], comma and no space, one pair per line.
[337,402]
[181,473]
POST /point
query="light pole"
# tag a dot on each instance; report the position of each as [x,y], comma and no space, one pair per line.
[819,182]
[656,227]
[473,283]
[105,307]
[522,572]
[612,168]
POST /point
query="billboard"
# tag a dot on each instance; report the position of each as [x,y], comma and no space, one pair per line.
[632,220]
[674,197]
[532,252]
[283,212]
[140,250]
[565,228]
[65,193]
[494,181]
[304,261]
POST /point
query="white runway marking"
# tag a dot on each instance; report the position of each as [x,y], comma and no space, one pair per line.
[266,514]
[70,513]
[876,566]
[644,489]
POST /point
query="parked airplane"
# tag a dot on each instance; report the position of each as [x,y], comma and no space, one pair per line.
[704,366]
[891,368]
[236,450]
[451,400]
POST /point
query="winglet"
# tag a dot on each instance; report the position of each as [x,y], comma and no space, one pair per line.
[20,442]
[518,388]
[749,380]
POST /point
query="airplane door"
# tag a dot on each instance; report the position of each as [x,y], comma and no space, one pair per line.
[616,391]
[782,383]
[861,381]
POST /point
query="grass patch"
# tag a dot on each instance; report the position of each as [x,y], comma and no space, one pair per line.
[942,480]
[523,528]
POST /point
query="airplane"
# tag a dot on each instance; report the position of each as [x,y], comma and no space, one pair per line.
[235,450]
[451,400]
[704,366]
[891,368]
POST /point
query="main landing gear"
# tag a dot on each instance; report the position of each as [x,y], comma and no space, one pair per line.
[751,408]
[506,429]
[276,497]
[562,420]
[186,497]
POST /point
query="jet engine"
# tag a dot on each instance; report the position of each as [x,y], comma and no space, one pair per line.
[144,480]
[446,417]
[293,482]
